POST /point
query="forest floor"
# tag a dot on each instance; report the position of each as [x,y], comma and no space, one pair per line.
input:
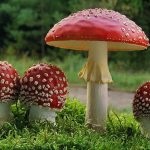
[117,99]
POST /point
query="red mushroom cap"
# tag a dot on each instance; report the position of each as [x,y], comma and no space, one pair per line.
[9,83]
[97,25]
[44,85]
[141,102]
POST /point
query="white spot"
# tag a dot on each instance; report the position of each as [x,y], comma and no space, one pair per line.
[64,79]
[36,83]
[39,87]
[7,75]
[51,100]
[2,74]
[44,80]
[46,74]
[47,95]
[56,91]
[51,92]
[61,92]
[144,92]
[38,75]
[51,79]
[57,72]
[2,81]
[6,82]
[48,86]
[143,104]
[48,104]
[127,34]
[29,89]
[140,98]
[31,79]
[65,89]
[33,88]
[25,86]
[25,79]
[2,94]
[4,88]
[147,105]
[3,68]
[146,99]
[36,92]
[45,89]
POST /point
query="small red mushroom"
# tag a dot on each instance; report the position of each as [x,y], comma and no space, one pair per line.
[141,107]
[44,88]
[9,90]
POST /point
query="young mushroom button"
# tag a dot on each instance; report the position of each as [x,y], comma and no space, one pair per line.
[9,90]
[141,107]
[97,31]
[44,88]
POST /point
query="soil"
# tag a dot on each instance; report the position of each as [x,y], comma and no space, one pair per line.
[117,99]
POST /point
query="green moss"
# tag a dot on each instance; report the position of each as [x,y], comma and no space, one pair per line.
[70,133]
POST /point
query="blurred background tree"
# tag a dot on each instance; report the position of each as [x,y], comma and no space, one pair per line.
[24,25]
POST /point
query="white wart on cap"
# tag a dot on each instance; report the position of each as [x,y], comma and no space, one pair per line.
[141,107]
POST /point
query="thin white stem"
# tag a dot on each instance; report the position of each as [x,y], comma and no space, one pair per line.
[97,103]
[96,69]
[97,92]
[5,113]
[42,114]
[145,125]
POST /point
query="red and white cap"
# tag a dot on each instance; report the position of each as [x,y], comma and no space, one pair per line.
[44,85]
[9,83]
[141,102]
[78,30]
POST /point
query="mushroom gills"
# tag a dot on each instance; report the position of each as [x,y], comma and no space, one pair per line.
[5,113]
[145,125]
[41,113]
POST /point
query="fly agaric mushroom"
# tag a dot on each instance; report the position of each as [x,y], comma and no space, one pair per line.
[9,90]
[97,31]
[141,107]
[44,88]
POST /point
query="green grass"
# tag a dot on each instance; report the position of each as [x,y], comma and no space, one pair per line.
[70,133]
[128,80]
[123,79]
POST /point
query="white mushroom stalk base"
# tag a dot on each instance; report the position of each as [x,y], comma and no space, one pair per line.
[42,114]
[5,113]
[97,75]
[145,126]
[97,103]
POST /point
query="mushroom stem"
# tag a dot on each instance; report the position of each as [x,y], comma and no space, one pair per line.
[145,126]
[96,69]
[97,102]
[41,113]
[97,74]
[5,113]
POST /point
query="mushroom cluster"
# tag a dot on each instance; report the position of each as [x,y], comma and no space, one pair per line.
[44,88]
[9,90]
[97,31]
[141,107]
